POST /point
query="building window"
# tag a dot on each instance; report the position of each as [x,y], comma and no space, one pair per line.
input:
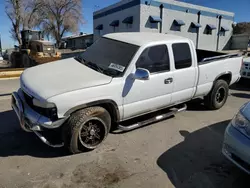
[129,22]
[194,27]
[182,55]
[209,29]
[223,30]
[222,33]
[209,32]
[154,21]
[99,28]
[115,25]
[177,24]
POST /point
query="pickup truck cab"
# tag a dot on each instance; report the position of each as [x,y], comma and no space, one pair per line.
[120,77]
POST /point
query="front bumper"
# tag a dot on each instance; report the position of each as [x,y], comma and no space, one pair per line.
[31,121]
[236,148]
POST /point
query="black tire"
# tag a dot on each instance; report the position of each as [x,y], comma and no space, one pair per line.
[13,60]
[217,96]
[94,125]
[26,61]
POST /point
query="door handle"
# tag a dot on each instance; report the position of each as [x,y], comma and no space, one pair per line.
[168,81]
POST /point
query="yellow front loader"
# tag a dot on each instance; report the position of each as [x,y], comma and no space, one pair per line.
[33,51]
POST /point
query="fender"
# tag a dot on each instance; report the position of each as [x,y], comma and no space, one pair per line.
[222,74]
[115,108]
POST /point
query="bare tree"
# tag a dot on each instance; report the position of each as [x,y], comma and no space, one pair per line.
[31,17]
[60,16]
[242,28]
[13,9]
[23,14]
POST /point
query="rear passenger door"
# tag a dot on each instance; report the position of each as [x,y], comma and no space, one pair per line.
[184,73]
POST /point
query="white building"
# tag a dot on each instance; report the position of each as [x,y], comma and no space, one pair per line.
[208,28]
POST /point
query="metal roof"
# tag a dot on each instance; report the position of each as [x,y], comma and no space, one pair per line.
[196,25]
[212,27]
[155,19]
[76,36]
[179,22]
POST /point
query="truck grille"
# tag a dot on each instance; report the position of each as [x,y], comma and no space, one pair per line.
[28,99]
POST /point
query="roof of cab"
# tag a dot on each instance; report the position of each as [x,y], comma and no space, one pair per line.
[143,38]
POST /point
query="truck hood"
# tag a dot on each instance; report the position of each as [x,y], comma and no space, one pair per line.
[47,80]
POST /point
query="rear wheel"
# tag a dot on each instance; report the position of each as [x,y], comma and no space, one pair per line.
[218,96]
[86,129]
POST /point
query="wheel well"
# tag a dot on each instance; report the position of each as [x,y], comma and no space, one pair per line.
[226,77]
[112,109]
[110,106]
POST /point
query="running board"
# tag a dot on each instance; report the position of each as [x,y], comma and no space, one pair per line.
[152,120]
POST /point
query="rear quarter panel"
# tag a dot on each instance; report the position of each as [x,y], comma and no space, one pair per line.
[209,72]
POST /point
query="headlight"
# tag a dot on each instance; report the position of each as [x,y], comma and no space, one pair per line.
[242,124]
[46,109]
[42,104]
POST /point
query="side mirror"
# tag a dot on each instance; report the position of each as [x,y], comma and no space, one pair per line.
[141,74]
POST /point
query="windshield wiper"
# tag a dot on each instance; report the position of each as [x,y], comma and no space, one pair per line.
[80,59]
[110,72]
[94,66]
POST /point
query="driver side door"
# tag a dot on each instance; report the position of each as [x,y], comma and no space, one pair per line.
[143,96]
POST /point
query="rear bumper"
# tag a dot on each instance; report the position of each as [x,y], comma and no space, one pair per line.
[31,121]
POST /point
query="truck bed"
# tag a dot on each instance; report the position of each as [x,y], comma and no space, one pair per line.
[205,56]
[210,68]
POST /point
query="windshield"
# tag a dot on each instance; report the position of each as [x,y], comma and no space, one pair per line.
[108,56]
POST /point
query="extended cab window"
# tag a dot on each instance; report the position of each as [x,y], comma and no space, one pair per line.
[182,55]
[155,59]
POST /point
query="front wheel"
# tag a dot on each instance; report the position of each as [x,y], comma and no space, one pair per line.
[86,129]
[26,61]
[218,96]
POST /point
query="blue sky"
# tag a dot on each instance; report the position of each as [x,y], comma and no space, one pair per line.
[240,8]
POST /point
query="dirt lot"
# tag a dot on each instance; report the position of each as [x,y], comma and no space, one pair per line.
[184,151]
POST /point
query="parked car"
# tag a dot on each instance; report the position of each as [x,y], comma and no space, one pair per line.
[245,69]
[119,77]
[236,145]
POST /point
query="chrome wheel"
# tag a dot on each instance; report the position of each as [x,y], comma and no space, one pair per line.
[92,133]
[220,95]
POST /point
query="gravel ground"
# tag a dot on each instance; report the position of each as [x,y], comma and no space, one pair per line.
[184,151]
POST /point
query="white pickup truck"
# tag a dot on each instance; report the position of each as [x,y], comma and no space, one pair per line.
[120,77]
